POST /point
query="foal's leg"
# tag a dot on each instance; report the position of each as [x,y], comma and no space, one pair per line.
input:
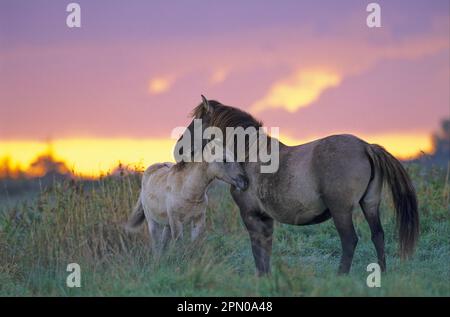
[176,226]
[156,232]
[166,236]
[198,226]
[344,224]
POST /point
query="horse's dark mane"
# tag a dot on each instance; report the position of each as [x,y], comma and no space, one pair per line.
[223,116]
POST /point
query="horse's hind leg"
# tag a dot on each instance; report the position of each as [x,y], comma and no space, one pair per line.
[344,224]
[373,218]
[370,205]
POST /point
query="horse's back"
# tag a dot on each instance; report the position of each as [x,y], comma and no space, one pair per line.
[337,155]
[342,167]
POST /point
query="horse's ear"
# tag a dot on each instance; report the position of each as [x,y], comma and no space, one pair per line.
[206,104]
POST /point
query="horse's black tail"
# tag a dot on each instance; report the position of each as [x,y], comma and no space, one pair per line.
[404,196]
[136,217]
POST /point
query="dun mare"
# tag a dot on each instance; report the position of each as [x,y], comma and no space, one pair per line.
[321,180]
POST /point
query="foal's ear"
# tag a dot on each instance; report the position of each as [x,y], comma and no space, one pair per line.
[206,105]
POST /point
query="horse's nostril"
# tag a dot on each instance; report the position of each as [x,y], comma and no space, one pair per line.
[244,182]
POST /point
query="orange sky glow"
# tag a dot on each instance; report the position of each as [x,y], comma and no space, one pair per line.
[95,157]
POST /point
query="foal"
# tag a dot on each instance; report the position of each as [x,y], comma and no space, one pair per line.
[175,194]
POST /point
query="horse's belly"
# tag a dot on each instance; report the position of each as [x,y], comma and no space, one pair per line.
[307,216]
[291,195]
[296,213]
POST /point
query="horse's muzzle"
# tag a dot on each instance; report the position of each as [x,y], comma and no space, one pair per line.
[241,182]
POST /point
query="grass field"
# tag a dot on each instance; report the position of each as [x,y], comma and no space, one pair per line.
[40,234]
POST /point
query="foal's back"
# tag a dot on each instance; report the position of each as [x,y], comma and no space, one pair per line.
[154,190]
[155,176]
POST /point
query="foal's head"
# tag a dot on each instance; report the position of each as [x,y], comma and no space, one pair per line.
[225,168]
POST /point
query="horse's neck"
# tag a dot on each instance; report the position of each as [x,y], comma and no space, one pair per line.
[271,160]
[270,147]
[195,183]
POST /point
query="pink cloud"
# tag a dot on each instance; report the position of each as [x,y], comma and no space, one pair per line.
[102,89]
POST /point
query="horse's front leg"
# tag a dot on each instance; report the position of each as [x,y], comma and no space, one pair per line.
[260,229]
[197,226]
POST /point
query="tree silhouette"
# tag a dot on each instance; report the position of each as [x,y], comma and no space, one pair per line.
[46,165]
[441,141]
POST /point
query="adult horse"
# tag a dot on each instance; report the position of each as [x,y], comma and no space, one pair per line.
[316,181]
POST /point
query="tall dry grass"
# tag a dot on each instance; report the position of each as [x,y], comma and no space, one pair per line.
[76,222]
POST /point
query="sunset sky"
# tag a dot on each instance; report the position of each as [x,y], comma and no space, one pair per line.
[114,89]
